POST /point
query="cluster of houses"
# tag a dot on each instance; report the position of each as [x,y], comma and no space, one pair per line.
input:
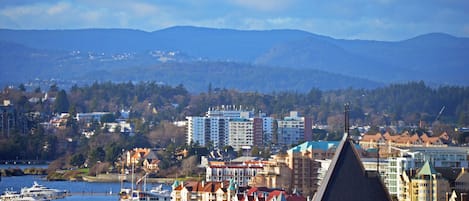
[287,177]
[410,167]
[120,125]
[144,157]
[404,140]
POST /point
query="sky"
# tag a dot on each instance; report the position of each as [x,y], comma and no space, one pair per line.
[389,20]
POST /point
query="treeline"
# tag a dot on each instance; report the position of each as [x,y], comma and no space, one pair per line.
[152,106]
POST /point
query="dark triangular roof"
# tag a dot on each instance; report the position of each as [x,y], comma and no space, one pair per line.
[346,178]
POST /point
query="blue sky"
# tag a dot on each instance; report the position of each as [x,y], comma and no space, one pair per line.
[358,19]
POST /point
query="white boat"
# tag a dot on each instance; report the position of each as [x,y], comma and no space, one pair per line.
[155,194]
[160,191]
[42,192]
[138,195]
[15,196]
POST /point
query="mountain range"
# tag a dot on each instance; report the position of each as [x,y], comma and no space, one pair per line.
[269,60]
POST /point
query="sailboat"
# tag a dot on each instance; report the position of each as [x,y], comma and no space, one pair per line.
[155,194]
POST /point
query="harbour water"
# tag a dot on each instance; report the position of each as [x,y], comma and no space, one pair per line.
[79,190]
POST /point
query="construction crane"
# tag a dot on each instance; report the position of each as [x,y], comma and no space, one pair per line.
[439,114]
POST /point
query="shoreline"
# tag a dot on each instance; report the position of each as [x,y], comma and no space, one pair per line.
[12,172]
[118,178]
[100,178]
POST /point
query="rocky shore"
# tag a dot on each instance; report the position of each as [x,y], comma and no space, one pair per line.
[20,172]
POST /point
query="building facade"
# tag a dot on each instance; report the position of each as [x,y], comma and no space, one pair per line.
[241,133]
[274,174]
[204,191]
[303,162]
[240,171]
[294,129]
[229,126]
[426,184]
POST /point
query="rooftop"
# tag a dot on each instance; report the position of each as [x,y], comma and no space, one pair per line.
[323,145]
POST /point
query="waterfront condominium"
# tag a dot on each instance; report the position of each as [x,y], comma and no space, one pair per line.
[229,125]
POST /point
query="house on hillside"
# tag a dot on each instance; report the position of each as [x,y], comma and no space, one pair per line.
[144,157]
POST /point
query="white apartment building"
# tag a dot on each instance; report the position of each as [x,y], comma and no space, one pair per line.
[207,130]
[392,178]
[415,157]
[294,129]
[214,128]
[441,156]
[196,130]
[240,170]
[241,133]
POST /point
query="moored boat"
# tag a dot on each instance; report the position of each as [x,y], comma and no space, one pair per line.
[16,196]
[43,192]
[138,195]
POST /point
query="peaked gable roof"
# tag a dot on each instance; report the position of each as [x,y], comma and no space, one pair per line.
[346,178]
[426,169]
[463,176]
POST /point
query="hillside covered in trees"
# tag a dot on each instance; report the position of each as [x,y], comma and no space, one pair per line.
[153,108]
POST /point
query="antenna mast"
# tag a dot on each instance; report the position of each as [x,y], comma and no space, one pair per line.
[347,123]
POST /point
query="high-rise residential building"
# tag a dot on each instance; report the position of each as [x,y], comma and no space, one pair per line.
[302,160]
[229,126]
[396,166]
[294,129]
[426,184]
[241,133]
[408,158]
[263,130]
[196,130]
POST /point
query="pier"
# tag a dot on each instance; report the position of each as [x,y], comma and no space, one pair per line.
[94,193]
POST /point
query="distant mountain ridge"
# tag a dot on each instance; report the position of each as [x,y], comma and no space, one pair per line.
[436,58]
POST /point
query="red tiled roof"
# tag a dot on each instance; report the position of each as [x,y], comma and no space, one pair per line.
[375,137]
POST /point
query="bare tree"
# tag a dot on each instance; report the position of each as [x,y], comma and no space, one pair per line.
[189,165]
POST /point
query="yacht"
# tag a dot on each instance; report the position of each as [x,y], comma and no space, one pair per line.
[42,192]
[15,196]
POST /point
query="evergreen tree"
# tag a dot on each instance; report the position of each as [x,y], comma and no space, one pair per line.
[61,103]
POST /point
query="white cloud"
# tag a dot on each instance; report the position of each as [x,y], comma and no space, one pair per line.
[264,5]
[143,9]
[19,11]
[367,19]
[58,8]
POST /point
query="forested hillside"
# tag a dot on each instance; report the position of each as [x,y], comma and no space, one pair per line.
[152,106]
[263,61]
